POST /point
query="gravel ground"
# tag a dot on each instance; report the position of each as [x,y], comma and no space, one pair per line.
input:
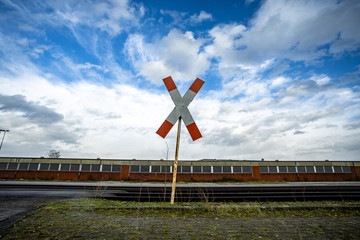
[111,224]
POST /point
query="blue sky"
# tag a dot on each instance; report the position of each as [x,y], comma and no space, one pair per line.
[85,78]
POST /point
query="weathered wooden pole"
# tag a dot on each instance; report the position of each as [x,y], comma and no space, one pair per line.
[176,162]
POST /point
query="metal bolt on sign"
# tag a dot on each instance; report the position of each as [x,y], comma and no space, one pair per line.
[180,112]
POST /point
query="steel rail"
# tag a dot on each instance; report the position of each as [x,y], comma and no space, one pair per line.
[196,193]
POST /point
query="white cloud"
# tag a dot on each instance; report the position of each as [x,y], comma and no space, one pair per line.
[286,100]
[352,126]
[203,16]
[155,71]
[109,16]
[320,79]
[177,16]
[96,121]
[262,123]
[223,46]
[182,19]
[298,30]
[177,54]
[137,50]
[259,104]
[279,81]
[295,30]
[86,20]
[93,26]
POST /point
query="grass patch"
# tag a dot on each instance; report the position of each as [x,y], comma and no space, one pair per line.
[242,209]
[104,203]
[98,202]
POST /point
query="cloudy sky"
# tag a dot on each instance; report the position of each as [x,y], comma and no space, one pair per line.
[85,78]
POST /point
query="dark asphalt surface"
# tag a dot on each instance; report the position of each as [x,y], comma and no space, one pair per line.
[15,208]
[17,203]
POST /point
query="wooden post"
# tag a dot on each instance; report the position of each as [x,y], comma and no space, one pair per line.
[175,163]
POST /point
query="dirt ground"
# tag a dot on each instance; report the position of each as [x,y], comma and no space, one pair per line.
[112,224]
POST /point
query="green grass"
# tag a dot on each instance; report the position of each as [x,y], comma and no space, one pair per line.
[242,209]
[98,202]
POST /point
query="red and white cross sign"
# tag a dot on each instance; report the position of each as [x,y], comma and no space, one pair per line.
[181,108]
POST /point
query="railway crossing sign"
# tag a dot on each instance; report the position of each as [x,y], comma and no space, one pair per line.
[179,112]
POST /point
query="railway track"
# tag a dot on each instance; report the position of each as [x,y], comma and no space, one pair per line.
[187,192]
[236,194]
